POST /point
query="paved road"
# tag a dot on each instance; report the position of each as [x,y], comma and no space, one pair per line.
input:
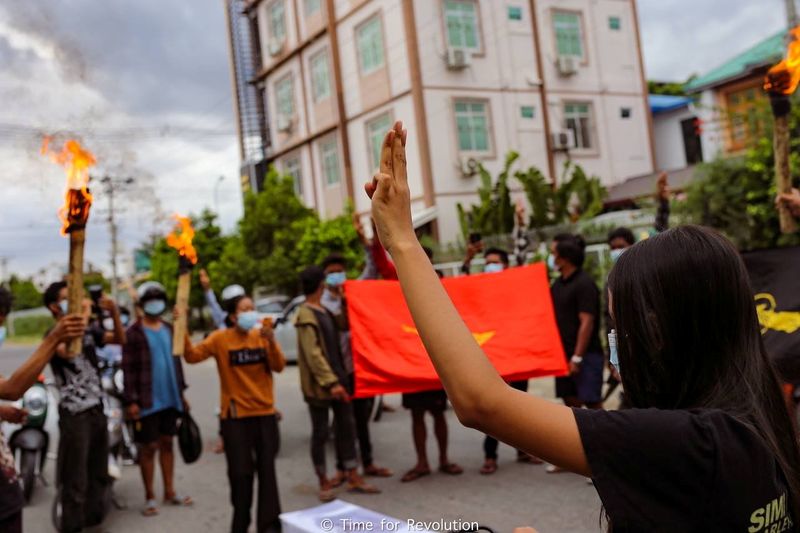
[515,495]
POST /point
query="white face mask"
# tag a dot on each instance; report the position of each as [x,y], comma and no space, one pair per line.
[2,335]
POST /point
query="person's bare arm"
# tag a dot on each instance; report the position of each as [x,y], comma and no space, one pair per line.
[14,387]
[481,398]
[584,336]
[118,335]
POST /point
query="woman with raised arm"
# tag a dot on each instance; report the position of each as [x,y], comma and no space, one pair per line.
[708,445]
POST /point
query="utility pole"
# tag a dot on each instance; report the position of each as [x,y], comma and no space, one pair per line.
[110,186]
[791,13]
[3,266]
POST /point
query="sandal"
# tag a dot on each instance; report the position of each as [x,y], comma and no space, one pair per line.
[529,459]
[414,474]
[451,469]
[179,501]
[377,471]
[338,480]
[150,508]
[363,488]
[326,495]
[553,469]
[489,467]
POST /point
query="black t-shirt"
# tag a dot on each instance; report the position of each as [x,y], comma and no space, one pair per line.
[571,296]
[330,336]
[683,470]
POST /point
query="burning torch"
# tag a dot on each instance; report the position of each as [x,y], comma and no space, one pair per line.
[780,83]
[74,215]
[181,239]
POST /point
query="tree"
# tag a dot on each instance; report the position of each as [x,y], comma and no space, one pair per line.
[25,293]
[494,215]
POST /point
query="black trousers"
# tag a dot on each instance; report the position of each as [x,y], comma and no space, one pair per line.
[344,433]
[12,524]
[362,412]
[490,443]
[83,468]
[250,447]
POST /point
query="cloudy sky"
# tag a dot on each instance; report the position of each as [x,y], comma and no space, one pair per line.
[146,84]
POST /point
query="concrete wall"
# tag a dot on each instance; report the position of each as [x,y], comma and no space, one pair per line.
[670,150]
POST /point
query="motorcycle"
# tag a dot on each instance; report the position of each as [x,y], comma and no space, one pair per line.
[121,446]
[29,442]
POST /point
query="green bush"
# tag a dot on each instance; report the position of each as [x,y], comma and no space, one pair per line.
[32,326]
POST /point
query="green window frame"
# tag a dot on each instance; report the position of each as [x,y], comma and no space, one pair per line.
[376,131]
[569,34]
[320,76]
[461,21]
[312,6]
[527,111]
[293,168]
[369,37]
[578,118]
[615,23]
[277,20]
[329,155]
[472,122]
[514,13]
[284,96]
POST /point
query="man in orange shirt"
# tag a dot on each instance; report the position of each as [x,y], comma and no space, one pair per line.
[246,356]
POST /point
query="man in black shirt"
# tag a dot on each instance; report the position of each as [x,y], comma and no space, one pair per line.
[577,307]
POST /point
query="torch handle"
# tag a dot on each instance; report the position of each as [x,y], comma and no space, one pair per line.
[77,239]
[783,178]
[182,303]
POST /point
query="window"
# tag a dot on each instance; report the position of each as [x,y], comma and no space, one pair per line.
[615,23]
[527,111]
[320,76]
[473,126]
[277,20]
[625,112]
[569,38]
[376,131]
[293,169]
[514,13]
[461,18]
[578,117]
[284,96]
[369,37]
[312,6]
[745,120]
[329,156]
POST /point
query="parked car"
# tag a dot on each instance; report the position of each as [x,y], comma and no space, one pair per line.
[285,333]
[271,307]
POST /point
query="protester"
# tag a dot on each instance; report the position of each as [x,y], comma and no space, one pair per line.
[708,430]
[12,388]
[218,314]
[325,383]
[247,354]
[82,469]
[153,393]
[335,268]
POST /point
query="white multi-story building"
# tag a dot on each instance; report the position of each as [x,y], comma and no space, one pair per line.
[471,79]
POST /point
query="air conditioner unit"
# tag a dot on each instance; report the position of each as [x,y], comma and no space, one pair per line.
[567,65]
[458,58]
[563,140]
[284,123]
[276,46]
[469,166]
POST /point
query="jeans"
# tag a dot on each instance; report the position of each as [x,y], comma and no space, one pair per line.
[250,447]
[83,468]
[344,431]
[490,443]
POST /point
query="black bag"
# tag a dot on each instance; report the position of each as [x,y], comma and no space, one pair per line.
[189,439]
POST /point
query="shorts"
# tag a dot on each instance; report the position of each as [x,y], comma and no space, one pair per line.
[149,428]
[434,401]
[586,385]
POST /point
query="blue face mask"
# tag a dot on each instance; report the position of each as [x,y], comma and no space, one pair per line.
[551,262]
[2,335]
[615,254]
[493,268]
[154,307]
[613,357]
[247,320]
[64,305]
[335,279]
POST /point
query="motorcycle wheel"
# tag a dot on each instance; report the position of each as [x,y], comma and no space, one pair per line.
[55,510]
[27,471]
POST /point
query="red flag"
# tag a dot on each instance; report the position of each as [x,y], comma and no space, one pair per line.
[510,314]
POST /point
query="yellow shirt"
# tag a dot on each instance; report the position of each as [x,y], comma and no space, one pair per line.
[245,362]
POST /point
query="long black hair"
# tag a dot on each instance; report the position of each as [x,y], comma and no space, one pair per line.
[688,337]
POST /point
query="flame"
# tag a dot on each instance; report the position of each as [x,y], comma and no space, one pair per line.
[182,240]
[76,160]
[784,77]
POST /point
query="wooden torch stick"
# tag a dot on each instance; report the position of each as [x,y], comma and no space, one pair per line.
[783,176]
[182,303]
[77,239]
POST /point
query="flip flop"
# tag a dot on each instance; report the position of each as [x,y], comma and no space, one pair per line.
[150,508]
[553,469]
[488,468]
[529,459]
[180,501]
[338,480]
[451,469]
[326,495]
[378,471]
[363,488]
[414,474]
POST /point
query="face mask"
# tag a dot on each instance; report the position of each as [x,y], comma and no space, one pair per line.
[613,357]
[247,320]
[335,279]
[493,268]
[108,324]
[124,319]
[154,307]
[551,262]
[615,254]
[2,335]
[63,304]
